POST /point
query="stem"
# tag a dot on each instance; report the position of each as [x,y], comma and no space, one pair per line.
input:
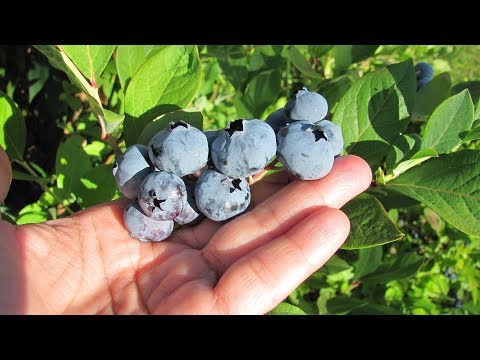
[45,188]
[111,141]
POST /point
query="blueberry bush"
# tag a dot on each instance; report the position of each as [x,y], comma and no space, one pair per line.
[67,112]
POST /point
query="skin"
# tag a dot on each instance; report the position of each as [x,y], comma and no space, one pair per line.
[87,263]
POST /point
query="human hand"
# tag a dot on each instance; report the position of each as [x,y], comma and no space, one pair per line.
[88,263]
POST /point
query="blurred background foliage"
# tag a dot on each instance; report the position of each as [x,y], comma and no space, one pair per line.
[66,166]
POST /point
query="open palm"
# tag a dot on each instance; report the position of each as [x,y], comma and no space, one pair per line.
[88,263]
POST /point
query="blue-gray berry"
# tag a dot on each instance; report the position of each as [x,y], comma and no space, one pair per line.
[306,105]
[131,168]
[424,73]
[243,148]
[162,195]
[333,133]
[303,150]
[179,148]
[219,197]
[190,215]
[143,228]
[277,119]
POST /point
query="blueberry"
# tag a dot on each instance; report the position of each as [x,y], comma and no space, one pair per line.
[131,168]
[219,197]
[424,73]
[333,133]
[277,119]
[142,227]
[306,105]
[243,148]
[179,148]
[304,150]
[211,135]
[190,215]
[162,195]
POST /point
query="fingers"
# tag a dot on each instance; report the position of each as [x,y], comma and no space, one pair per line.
[263,278]
[5,175]
[279,213]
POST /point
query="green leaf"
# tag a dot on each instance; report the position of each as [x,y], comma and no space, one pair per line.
[133,126]
[343,304]
[319,50]
[334,89]
[375,110]
[402,267]
[191,116]
[472,86]
[369,260]
[391,199]
[419,157]
[17,175]
[89,59]
[369,222]
[172,76]
[402,149]
[108,120]
[473,134]
[71,164]
[374,309]
[299,61]
[37,76]
[449,123]
[343,57]
[449,185]
[261,92]
[97,185]
[477,113]
[336,264]
[96,150]
[112,120]
[32,218]
[432,95]
[31,214]
[12,125]
[129,58]
[362,52]
[286,309]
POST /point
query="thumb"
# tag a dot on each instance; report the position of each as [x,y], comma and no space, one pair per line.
[5,174]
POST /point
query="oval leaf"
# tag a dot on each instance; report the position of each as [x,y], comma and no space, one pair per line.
[415,160]
[299,61]
[12,125]
[402,149]
[375,110]
[432,95]
[191,116]
[369,260]
[129,59]
[473,134]
[172,76]
[449,185]
[89,59]
[286,309]
[260,93]
[71,163]
[369,222]
[96,186]
[404,266]
[449,123]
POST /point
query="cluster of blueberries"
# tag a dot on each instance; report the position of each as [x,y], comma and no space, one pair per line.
[184,174]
